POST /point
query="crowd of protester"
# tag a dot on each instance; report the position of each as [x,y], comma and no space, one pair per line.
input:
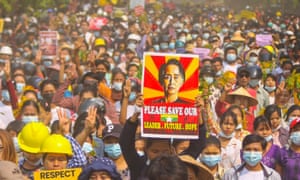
[81,108]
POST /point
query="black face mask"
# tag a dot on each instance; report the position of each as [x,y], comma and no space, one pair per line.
[48,97]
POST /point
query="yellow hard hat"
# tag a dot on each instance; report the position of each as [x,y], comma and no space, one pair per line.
[32,136]
[270,49]
[57,144]
[100,42]
[278,13]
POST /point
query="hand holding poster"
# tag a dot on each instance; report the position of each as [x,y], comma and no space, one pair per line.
[170,85]
[48,43]
[202,52]
[264,39]
[63,174]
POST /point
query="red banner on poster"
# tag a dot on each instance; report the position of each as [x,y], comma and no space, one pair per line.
[170,85]
[97,23]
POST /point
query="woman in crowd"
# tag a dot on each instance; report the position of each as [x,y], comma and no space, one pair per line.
[7,148]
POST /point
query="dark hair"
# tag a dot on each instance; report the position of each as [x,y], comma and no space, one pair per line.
[271,76]
[286,63]
[291,109]
[79,124]
[115,72]
[46,82]
[230,48]
[150,141]
[16,126]
[89,88]
[254,138]
[162,70]
[234,106]
[212,140]
[217,59]
[31,103]
[229,114]
[176,142]
[105,63]
[30,91]
[167,167]
[270,110]
[261,120]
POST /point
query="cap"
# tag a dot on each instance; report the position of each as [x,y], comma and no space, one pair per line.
[213,39]
[243,69]
[101,164]
[294,122]
[112,130]
[9,171]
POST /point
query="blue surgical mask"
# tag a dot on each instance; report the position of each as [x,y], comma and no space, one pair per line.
[211,160]
[164,46]
[224,30]
[252,157]
[253,59]
[253,82]
[226,136]
[205,36]
[231,57]
[67,58]
[112,66]
[19,87]
[269,138]
[172,45]
[113,150]
[270,24]
[291,118]
[194,36]
[87,147]
[116,59]
[131,46]
[132,97]
[117,86]
[156,47]
[108,77]
[209,80]
[28,119]
[295,138]
[270,89]
[16,144]
[5,95]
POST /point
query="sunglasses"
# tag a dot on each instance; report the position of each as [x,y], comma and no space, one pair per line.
[244,75]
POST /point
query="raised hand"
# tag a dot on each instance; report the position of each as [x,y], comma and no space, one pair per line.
[127,88]
[90,121]
[64,123]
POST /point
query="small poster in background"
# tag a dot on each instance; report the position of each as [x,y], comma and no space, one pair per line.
[48,44]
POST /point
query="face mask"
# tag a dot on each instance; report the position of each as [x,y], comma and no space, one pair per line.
[112,66]
[16,144]
[172,45]
[231,57]
[295,138]
[164,46]
[286,72]
[270,89]
[19,87]
[211,160]
[270,24]
[113,150]
[253,59]
[132,97]
[219,73]
[48,97]
[67,58]
[226,136]
[291,118]
[292,46]
[239,126]
[183,39]
[35,164]
[116,59]
[117,86]
[28,119]
[209,80]
[156,47]
[141,153]
[269,138]
[224,30]
[205,36]
[252,157]
[131,46]
[194,36]
[87,147]
[253,82]
[107,77]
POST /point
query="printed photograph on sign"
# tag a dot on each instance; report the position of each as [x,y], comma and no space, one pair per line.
[48,41]
[170,85]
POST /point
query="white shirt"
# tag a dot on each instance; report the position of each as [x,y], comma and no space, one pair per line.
[245,174]
[231,154]
[6,115]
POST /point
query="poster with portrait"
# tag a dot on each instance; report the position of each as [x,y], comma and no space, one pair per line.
[48,44]
[170,86]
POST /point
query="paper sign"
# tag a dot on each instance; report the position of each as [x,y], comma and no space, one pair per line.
[247,14]
[170,85]
[138,10]
[135,3]
[48,44]
[202,52]
[64,174]
[97,23]
[264,39]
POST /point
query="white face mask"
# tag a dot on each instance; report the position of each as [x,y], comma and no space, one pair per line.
[28,119]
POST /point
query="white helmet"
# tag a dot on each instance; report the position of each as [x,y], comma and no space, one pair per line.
[6,50]
[134,37]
